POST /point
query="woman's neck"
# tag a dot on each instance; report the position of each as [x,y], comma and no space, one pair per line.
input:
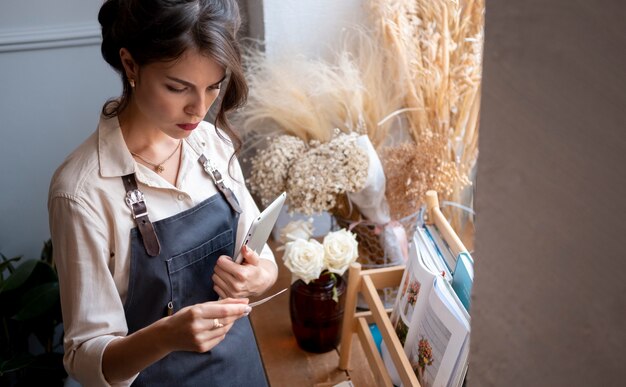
[141,136]
[149,145]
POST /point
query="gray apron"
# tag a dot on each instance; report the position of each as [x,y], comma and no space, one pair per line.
[179,274]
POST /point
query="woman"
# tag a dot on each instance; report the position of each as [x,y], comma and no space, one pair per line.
[146,214]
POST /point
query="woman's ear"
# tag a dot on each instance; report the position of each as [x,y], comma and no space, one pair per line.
[130,66]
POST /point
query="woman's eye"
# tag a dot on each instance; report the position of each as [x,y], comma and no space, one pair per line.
[175,90]
[215,87]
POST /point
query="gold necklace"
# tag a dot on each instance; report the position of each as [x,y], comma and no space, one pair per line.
[158,168]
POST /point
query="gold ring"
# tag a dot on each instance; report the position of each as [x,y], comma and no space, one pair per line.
[217,323]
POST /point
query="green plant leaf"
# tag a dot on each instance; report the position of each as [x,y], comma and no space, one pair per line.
[7,264]
[44,272]
[38,300]
[46,252]
[15,363]
[19,276]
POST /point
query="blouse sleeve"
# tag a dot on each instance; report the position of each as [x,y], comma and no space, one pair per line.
[93,313]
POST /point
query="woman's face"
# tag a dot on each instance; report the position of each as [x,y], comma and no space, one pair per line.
[174,96]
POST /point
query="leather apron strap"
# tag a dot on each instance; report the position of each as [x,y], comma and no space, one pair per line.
[137,204]
[135,201]
[226,192]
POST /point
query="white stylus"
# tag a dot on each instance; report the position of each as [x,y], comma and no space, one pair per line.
[266,298]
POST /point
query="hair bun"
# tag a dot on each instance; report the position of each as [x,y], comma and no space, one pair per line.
[107,17]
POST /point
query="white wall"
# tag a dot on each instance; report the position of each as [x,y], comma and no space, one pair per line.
[22,14]
[53,82]
[308,27]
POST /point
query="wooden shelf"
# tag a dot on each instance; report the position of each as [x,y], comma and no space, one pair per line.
[366,283]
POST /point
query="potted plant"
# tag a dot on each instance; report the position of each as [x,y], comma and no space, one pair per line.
[31,339]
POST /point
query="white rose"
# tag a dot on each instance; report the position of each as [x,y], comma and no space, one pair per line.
[297,229]
[305,259]
[340,250]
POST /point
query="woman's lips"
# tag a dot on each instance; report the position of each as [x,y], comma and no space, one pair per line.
[188,126]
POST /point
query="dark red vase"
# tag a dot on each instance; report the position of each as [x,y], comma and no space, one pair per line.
[315,317]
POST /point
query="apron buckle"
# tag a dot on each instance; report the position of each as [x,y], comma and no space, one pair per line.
[134,197]
[210,168]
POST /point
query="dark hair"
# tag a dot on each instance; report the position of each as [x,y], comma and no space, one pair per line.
[162,30]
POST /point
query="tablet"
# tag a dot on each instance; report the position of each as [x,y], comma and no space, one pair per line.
[262,226]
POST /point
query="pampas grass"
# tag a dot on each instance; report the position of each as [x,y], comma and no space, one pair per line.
[308,98]
[380,79]
[303,97]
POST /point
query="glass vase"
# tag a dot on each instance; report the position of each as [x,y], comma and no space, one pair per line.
[315,316]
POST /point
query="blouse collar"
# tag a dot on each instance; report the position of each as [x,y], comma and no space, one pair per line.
[114,157]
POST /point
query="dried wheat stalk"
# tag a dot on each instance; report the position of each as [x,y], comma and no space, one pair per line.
[437,47]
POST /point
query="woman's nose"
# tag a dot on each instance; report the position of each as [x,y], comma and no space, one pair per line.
[198,106]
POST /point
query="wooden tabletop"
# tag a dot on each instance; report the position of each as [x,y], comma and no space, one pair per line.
[288,365]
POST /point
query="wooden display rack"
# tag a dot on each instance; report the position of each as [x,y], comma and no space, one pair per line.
[367,282]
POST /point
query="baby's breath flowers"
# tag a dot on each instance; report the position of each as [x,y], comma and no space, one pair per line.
[313,174]
[270,166]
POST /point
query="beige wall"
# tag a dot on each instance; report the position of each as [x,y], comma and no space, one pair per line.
[549,303]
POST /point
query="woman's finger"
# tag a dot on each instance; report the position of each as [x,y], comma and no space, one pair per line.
[250,257]
[228,270]
[224,308]
[223,276]
[232,300]
[230,286]
[221,288]
[220,292]
[212,337]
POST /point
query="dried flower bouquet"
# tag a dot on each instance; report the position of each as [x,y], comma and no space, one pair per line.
[313,174]
[435,47]
[411,85]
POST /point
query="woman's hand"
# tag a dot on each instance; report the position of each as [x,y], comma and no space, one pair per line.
[201,327]
[250,278]
[190,329]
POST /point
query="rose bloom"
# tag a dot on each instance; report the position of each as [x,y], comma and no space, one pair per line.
[305,259]
[340,250]
[297,229]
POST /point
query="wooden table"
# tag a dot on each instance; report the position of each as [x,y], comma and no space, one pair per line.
[288,365]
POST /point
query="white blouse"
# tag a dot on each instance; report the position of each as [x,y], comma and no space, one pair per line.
[90,226]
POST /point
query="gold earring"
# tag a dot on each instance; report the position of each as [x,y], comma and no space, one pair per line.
[132,83]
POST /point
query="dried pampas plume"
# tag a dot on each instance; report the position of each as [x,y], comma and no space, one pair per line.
[381,81]
[308,98]
[302,97]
